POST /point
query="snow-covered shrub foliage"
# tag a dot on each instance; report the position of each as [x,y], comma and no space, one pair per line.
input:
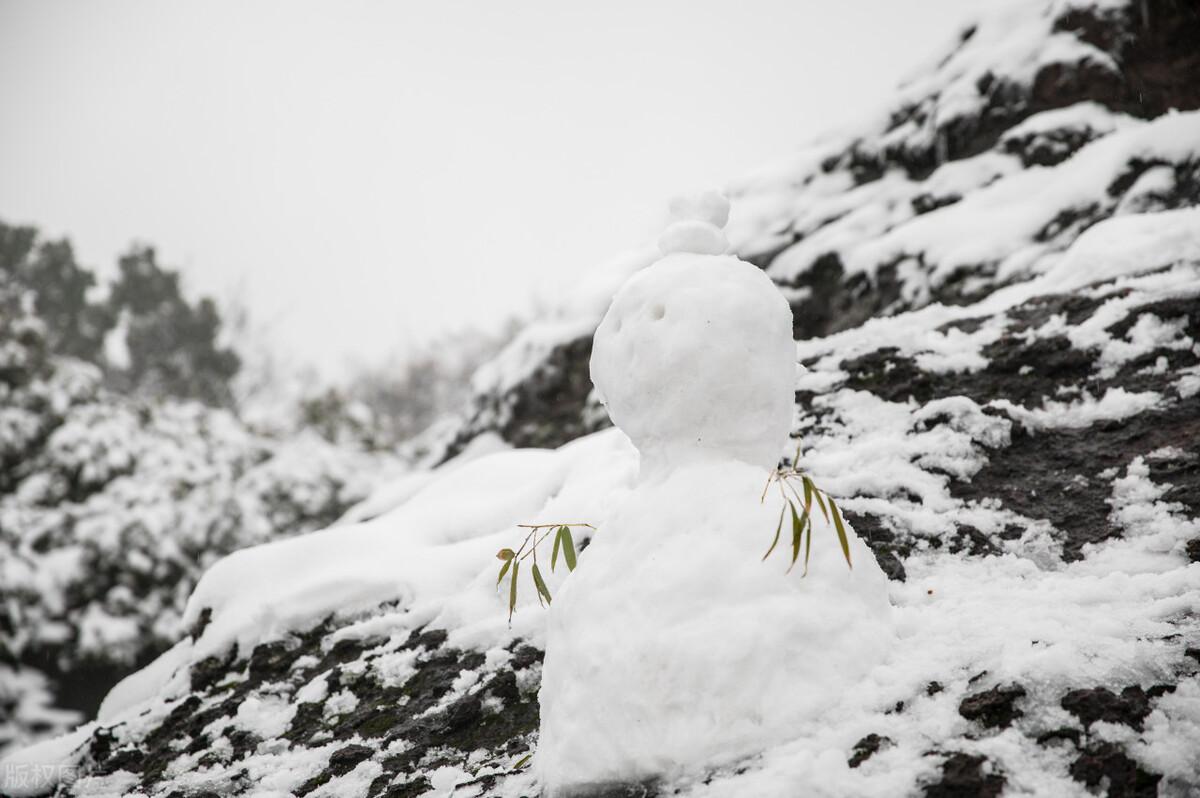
[171,344]
[168,345]
[112,505]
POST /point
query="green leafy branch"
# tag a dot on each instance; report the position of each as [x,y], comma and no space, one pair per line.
[563,543]
[802,519]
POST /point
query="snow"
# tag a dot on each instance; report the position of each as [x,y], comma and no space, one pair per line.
[1127,245]
[686,340]
[692,236]
[973,623]
[143,685]
[1085,115]
[1004,219]
[711,207]
[315,691]
[1153,184]
[673,647]
[697,225]
[1115,404]
[396,492]
[355,784]
[265,716]
[1134,250]
[1172,736]
[38,768]
[432,553]
[1189,384]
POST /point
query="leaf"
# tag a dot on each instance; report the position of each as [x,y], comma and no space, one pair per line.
[820,501]
[512,591]
[505,554]
[808,493]
[807,544]
[841,532]
[568,548]
[778,529]
[503,570]
[797,534]
[543,591]
[520,763]
[557,545]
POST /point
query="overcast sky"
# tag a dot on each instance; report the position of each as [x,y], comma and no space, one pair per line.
[363,175]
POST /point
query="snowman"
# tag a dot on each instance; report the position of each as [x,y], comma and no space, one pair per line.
[674,648]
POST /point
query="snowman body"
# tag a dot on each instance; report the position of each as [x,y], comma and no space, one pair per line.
[673,647]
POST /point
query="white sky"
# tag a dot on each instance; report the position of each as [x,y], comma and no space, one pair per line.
[363,175]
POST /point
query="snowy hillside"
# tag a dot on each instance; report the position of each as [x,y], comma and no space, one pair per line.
[995,290]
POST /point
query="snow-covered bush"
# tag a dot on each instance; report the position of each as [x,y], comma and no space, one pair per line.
[112,504]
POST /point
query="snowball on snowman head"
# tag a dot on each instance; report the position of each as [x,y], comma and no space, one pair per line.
[695,359]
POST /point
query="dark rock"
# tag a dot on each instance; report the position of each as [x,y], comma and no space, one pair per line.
[889,375]
[1157,55]
[208,671]
[243,742]
[646,789]
[1055,735]
[1099,703]
[865,748]
[891,564]
[272,660]
[970,539]
[1106,766]
[545,410]
[888,552]
[526,656]
[202,621]
[1193,549]
[836,302]
[345,759]
[1051,147]
[430,639]
[1055,474]
[924,203]
[963,777]
[994,708]
[411,789]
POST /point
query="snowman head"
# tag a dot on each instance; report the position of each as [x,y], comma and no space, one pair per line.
[695,359]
